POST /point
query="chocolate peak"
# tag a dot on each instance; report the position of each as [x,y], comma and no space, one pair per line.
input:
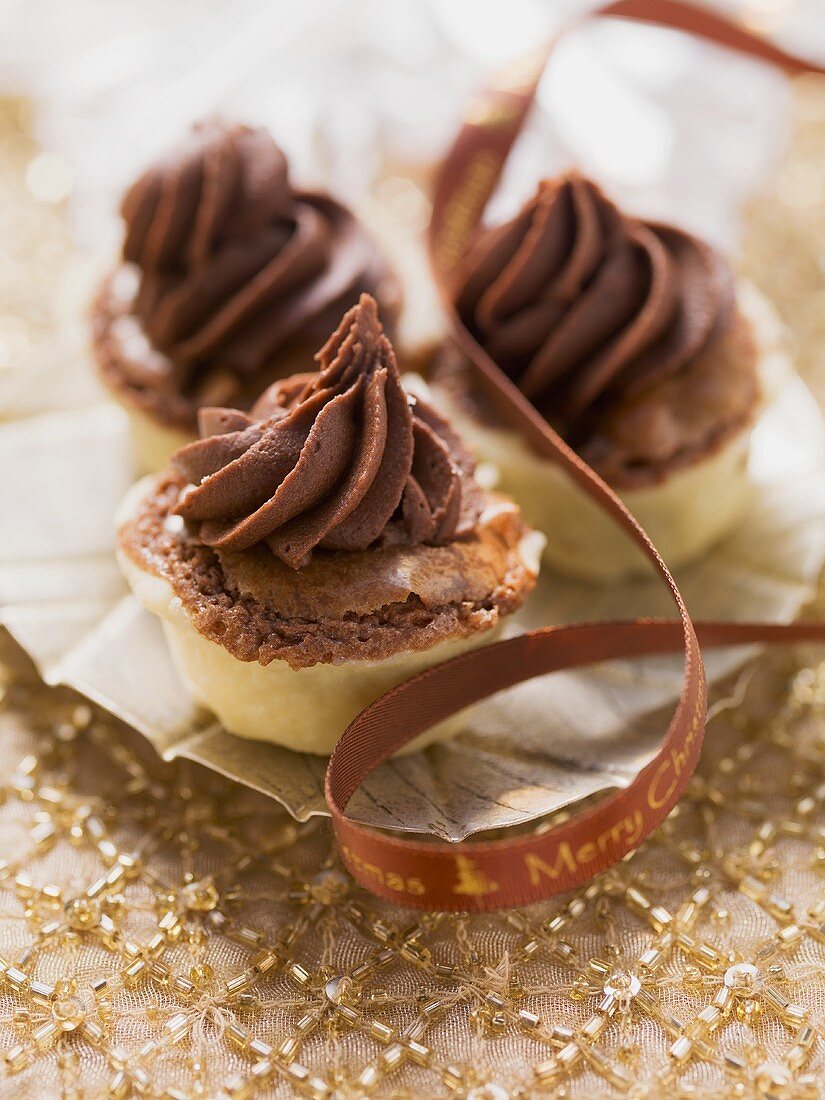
[339,460]
[224,182]
[576,301]
[233,262]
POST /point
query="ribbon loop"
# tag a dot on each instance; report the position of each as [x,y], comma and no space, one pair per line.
[483,875]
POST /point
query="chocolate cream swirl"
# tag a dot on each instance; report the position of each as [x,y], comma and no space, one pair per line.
[342,459]
[233,263]
[579,303]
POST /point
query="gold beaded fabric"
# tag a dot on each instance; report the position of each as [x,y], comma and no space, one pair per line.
[165,933]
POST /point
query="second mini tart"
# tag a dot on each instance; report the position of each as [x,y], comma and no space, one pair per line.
[306,557]
[635,342]
[230,278]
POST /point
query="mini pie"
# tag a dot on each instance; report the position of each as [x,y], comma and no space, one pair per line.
[634,341]
[229,279]
[310,554]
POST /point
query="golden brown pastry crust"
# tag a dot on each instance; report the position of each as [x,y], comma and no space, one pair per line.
[366,605]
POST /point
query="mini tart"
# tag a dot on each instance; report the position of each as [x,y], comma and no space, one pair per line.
[287,628]
[292,657]
[641,351]
[229,280]
[686,504]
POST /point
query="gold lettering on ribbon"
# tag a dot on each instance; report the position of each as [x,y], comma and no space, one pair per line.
[635,829]
[656,798]
[536,866]
[463,209]
[628,832]
[472,881]
[657,793]
[491,111]
[390,879]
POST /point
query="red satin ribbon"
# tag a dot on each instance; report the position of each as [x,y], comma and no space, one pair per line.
[483,875]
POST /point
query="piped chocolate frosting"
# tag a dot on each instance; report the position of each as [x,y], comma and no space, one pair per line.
[230,267]
[580,304]
[342,459]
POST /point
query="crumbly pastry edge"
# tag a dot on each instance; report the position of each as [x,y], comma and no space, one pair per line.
[451,622]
